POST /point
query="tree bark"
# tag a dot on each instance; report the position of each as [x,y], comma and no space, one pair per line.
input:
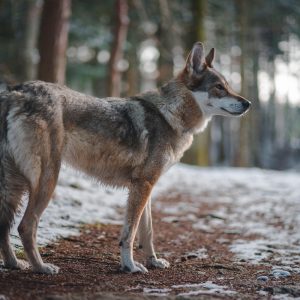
[167,40]
[120,37]
[255,115]
[31,36]
[199,152]
[243,157]
[53,40]
[202,142]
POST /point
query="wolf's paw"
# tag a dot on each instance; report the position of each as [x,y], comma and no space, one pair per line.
[134,268]
[46,269]
[158,263]
[19,264]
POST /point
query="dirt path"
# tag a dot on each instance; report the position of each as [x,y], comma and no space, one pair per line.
[201,265]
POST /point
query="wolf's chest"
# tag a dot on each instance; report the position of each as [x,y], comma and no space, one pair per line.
[175,153]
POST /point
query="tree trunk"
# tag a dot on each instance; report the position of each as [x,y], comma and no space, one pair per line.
[31,36]
[53,40]
[199,152]
[23,20]
[133,76]
[255,115]
[243,157]
[167,40]
[268,127]
[118,47]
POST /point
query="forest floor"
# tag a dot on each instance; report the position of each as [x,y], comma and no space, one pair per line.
[217,248]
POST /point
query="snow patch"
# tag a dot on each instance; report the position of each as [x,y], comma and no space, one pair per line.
[191,289]
[197,254]
[262,207]
[77,200]
[156,291]
[203,289]
[251,251]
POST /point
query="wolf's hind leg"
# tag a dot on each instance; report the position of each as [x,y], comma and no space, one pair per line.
[38,200]
[146,239]
[12,186]
[9,258]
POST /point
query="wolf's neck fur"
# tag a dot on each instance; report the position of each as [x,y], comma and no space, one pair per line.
[178,106]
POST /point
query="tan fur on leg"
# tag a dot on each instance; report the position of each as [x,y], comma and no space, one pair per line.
[38,201]
[146,239]
[138,197]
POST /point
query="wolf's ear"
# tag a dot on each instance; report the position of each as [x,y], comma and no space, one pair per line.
[210,57]
[196,60]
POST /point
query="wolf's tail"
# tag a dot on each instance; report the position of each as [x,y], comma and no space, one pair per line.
[6,213]
[10,177]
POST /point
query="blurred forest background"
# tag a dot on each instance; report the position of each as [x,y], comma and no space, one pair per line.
[120,47]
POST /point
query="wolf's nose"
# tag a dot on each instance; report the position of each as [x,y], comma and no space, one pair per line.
[246,104]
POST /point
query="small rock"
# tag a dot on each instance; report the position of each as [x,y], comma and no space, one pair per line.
[263,278]
[232,232]
[76,185]
[278,273]
[183,258]
[191,256]
[46,254]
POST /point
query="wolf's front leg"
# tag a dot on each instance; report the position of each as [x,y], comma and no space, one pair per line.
[146,239]
[139,194]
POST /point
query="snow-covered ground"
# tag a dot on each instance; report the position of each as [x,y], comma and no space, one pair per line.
[206,288]
[253,202]
[77,200]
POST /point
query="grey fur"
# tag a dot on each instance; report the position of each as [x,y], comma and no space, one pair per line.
[122,142]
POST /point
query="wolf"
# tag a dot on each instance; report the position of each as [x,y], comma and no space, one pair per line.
[122,142]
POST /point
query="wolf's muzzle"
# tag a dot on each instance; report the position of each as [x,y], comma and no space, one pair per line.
[246,105]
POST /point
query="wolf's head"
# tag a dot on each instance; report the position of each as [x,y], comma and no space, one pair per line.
[208,87]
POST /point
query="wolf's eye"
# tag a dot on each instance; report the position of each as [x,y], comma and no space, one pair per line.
[219,87]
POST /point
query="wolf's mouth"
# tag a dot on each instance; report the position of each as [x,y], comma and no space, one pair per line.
[232,113]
